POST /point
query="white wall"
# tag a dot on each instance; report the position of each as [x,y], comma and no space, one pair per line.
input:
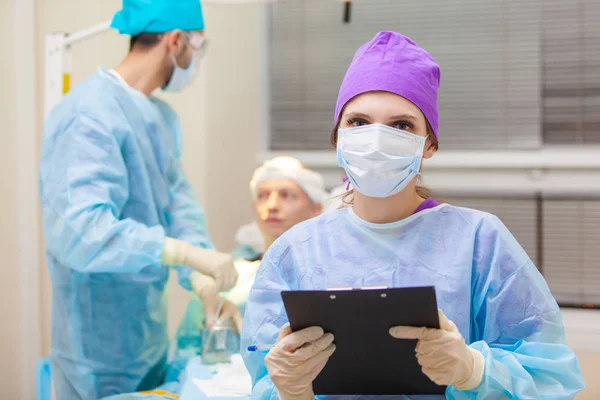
[9,274]
[233,109]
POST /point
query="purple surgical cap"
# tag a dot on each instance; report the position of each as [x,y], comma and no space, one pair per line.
[393,63]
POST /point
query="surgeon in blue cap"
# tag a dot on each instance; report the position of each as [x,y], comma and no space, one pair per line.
[118,211]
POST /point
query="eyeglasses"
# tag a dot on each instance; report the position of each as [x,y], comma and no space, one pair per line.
[198,42]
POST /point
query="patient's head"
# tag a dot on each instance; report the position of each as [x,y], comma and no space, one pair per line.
[284,194]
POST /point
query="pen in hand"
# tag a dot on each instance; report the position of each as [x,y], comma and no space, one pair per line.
[260,347]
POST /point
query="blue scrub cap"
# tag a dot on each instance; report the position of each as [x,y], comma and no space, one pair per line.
[158,16]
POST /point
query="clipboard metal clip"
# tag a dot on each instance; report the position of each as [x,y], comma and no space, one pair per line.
[334,289]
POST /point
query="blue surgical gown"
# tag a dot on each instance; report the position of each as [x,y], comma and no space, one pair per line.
[111,188]
[484,282]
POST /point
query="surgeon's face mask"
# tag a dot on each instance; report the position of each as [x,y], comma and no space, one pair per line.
[379,160]
[183,77]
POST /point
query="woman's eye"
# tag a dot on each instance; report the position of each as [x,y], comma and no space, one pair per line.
[403,126]
[357,122]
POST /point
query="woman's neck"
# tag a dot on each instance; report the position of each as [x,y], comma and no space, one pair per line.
[268,242]
[387,209]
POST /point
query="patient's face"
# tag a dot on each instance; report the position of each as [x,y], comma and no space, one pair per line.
[281,204]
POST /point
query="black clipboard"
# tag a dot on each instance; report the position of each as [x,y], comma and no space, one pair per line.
[367,360]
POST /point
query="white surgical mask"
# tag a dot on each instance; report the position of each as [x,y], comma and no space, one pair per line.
[183,77]
[379,160]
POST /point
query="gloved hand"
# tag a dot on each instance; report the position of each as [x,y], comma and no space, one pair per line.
[296,360]
[443,354]
[206,289]
[208,262]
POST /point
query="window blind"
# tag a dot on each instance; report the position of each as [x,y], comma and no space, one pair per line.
[571,71]
[489,53]
[571,237]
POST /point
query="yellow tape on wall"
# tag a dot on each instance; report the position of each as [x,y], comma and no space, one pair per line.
[66,83]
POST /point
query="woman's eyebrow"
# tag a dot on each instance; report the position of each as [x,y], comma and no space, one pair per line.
[403,116]
[357,115]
